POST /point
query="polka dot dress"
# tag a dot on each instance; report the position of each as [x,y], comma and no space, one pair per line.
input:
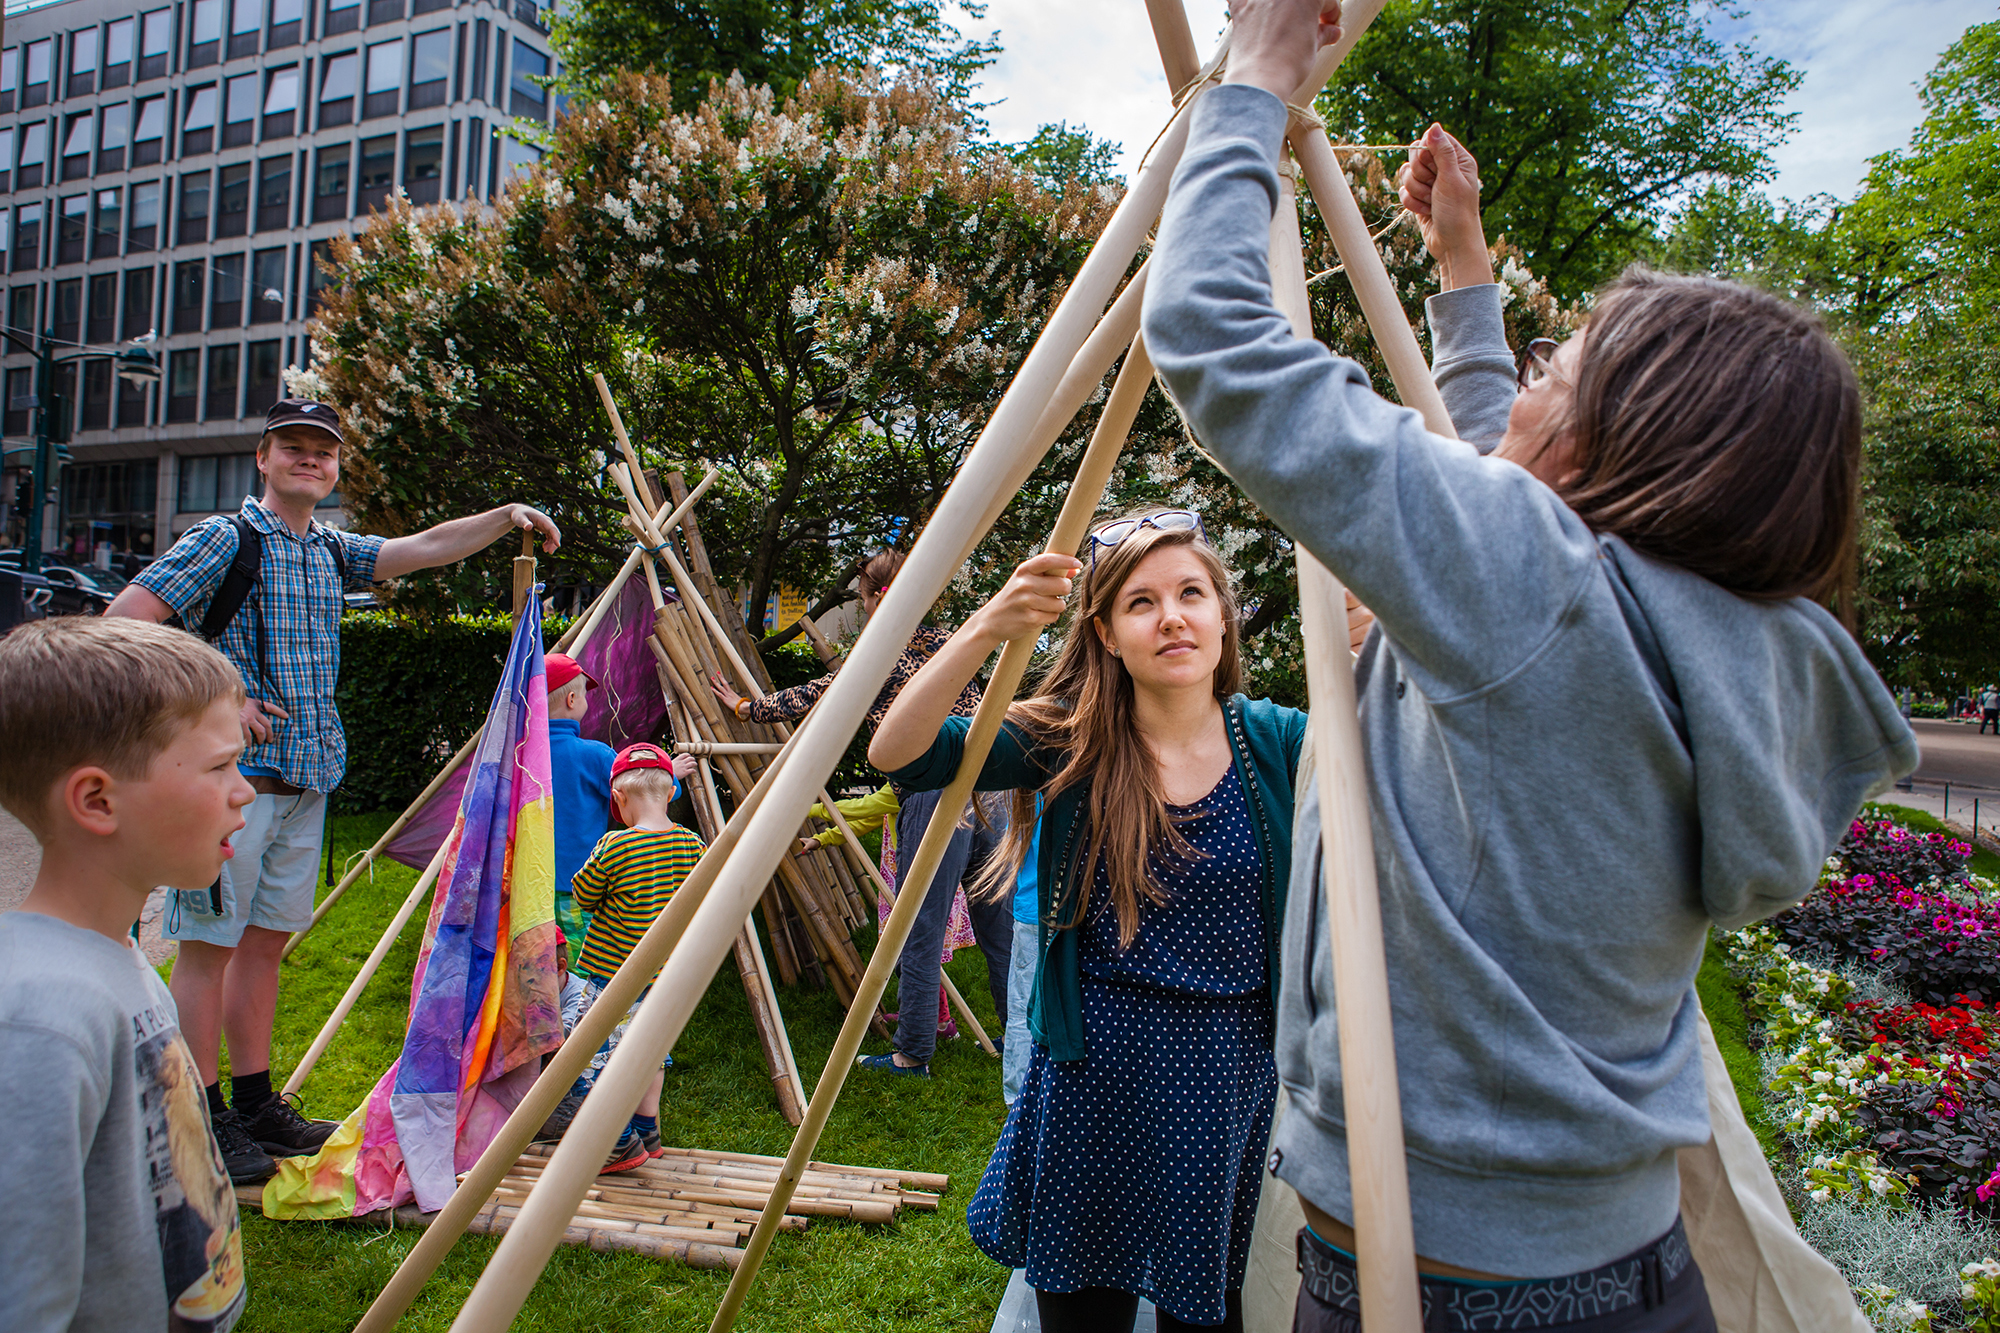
[1138,1167]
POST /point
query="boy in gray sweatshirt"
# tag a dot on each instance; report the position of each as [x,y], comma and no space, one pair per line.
[116,1213]
[1598,719]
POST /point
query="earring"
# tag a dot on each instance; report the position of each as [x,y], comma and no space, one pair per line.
[1114,652]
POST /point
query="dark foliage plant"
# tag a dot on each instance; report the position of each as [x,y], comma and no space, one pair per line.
[1945,1134]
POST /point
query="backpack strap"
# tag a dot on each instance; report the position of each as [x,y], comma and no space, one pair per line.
[245,572]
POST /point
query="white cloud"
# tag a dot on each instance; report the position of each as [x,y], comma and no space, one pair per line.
[1094,64]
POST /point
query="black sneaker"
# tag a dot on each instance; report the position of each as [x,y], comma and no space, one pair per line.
[559,1119]
[243,1159]
[280,1130]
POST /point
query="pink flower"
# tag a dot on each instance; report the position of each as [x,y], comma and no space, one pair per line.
[1990,1188]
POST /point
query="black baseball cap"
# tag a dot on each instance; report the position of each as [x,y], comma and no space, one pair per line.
[303,412]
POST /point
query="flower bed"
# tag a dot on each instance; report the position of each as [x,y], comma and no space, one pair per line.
[1877,1003]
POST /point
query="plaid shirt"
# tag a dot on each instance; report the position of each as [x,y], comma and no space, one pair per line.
[796,702]
[286,638]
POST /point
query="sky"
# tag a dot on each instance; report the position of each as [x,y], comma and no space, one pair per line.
[1092,62]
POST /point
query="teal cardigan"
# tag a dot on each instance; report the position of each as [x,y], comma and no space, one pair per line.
[1265,739]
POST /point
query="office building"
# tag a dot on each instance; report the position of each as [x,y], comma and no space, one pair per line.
[173,169]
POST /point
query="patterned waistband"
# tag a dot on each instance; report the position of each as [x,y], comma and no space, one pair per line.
[1451,1304]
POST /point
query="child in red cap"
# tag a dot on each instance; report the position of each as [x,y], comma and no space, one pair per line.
[625,885]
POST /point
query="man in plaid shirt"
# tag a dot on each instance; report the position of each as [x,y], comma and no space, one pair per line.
[285,639]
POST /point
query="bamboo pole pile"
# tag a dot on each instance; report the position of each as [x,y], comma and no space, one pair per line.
[693,1205]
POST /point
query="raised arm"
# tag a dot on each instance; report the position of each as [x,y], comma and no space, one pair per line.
[461,537]
[1029,604]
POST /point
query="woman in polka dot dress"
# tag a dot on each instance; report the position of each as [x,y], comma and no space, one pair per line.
[1131,1162]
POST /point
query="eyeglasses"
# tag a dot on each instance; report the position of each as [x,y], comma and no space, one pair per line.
[1535,363]
[1167,520]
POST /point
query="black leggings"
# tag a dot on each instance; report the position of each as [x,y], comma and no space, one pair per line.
[1109,1310]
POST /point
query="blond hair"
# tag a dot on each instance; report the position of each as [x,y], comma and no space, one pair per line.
[648,784]
[111,692]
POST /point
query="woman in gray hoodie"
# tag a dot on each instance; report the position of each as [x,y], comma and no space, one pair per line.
[1605,707]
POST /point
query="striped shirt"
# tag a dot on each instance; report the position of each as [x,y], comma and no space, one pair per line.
[286,638]
[625,885]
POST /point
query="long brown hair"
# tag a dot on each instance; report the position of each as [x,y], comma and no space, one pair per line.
[1083,708]
[1718,428]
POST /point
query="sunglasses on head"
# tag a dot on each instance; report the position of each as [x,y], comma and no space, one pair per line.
[1167,520]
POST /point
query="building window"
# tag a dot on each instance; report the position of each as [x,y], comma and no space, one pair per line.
[239,123]
[74,229]
[225,300]
[267,286]
[190,283]
[27,237]
[119,35]
[232,203]
[274,193]
[198,126]
[156,29]
[6,161]
[149,132]
[40,60]
[337,88]
[21,310]
[287,25]
[138,320]
[76,146]
[224,366]
[342,16]
[20,400]
[192,226]
[281,102]
[82,81]
[262,383]
[33,155]
[319,275]
[218,483]
[516,157]
[205,34]
[378,172]
[114,127]
[427,6]
[430,69]
[423,165]
[384,88]
[330,183]
[67,317]
[10,77]
[95,411]
[246,23]
[479,34]
[184,404]
[145,222]
[107,221]
[384,11]
[132,412]
[101,308]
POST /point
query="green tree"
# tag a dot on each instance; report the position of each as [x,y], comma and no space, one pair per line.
[1059,155]
[774,43]
[1589,117]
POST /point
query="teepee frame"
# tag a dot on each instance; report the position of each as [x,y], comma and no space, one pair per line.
[704,919]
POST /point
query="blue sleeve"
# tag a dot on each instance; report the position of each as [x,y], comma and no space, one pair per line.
[1012,763]
[1468,563]
[187,576]
[361,549]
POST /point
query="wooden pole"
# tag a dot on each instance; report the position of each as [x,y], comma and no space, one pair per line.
[1134,378]
[825,651]
[524,573]
[361,979]
[727,747]
[994,469]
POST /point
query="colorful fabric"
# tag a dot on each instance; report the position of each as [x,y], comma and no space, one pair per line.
[286,638]
[796,702]
[625,885]
[484,1002]
[574,922]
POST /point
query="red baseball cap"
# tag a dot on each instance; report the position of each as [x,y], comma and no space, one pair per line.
[562,669]
[643,755]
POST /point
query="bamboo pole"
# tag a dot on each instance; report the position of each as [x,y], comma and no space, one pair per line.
[825,651]
[368,968]
[1052,383]
[727,747]
[524,573]
[1078,507]
[477,1185]
[579,633]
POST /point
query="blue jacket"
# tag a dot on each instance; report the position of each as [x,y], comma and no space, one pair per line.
[581,770]
[1265,739]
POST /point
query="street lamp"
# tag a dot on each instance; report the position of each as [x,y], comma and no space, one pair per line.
[135,364]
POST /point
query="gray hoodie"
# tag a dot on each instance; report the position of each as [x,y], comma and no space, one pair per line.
[1579,758]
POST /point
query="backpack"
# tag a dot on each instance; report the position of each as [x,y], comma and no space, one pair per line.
[245,572]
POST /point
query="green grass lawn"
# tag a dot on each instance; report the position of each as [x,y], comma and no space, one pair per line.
[920,1273]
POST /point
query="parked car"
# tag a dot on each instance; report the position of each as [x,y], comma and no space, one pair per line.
[72,591]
